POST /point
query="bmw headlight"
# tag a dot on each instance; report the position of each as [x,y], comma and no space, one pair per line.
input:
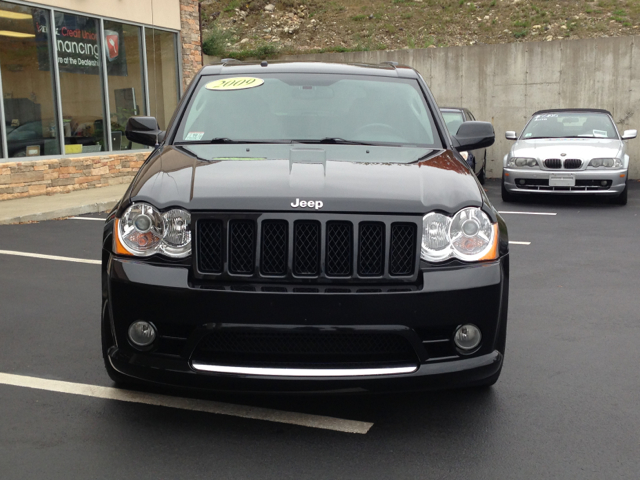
[606,163]
[522,162]
[468,236]
[144,231]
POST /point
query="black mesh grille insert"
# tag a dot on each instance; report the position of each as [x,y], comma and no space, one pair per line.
[572,163]
[260,348]
[210,246]
[339,250]
[371,249]
[242,246]
[402,251]
[306,248]
[275,240]
[552,163]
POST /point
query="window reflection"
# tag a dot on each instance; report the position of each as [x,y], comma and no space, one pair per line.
[79,63]
[162,66]
[123,46]
[27,82]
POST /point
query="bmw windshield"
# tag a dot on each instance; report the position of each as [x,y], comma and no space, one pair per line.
[570,125]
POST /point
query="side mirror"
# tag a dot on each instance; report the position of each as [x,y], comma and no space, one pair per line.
[629,134]
[474,135]
[144,130]
[511,135]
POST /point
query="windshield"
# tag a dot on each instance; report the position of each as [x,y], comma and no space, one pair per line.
[570,125]
[453,121]
[309,108]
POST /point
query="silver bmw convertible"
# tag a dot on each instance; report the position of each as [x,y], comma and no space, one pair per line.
[568,151]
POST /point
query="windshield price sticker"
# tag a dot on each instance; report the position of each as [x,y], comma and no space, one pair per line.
[236,83]
[545,116]
[194,136]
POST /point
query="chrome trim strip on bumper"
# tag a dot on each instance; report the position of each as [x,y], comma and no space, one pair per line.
[304,372]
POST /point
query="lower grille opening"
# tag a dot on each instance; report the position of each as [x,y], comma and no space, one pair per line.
[580,186]
[305,349]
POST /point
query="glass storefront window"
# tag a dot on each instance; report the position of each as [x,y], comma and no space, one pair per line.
[27,82]
[123,49]
[49,112]
[80,67]
[162,67]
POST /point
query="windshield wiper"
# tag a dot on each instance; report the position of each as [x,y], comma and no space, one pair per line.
[334,140]
[229,141]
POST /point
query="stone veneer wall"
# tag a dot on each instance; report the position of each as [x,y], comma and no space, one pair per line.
[191,42]
[48,177]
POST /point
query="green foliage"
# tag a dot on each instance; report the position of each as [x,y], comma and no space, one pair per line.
[358,18]
[261,52]
[216,43]
[232,5]
[520,33]
[411,42]
[429,41]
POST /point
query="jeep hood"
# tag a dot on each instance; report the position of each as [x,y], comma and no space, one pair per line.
[176,178]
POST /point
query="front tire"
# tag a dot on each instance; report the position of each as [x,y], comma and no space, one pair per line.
[506,196]
[482,176]
[622,198]
[118,378]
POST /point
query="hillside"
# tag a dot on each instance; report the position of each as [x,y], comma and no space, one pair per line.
[267,27]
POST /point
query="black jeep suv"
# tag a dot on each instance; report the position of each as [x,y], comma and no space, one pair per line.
[305,227]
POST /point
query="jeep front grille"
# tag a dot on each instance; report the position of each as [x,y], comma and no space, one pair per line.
[329,248]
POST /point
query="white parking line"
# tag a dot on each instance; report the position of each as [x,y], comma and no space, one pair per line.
[519,243]
[87,218]
[49,257]
[196,405]
[527,213]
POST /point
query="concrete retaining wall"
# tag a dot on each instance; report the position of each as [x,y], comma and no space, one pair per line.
[506,83]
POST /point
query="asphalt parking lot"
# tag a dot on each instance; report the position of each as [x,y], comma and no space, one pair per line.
[566,405]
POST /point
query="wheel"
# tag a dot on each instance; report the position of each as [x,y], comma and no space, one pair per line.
[622,198]
[107,342]
[482,176]
[487,382]
[506,196]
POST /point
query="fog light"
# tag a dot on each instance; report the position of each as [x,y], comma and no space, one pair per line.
[603,183]
[142,333]
[467,337]
[521,181]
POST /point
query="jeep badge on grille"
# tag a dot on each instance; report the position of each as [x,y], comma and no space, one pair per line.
[317,204]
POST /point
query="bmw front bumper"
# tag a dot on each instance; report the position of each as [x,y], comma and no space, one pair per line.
[599,182]
[425,316]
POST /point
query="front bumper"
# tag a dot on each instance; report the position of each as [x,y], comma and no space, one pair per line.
[587,181]
[425,315]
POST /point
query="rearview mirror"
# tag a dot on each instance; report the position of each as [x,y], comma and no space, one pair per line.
[474,135]
[144,130]
[629,134]
[511,135]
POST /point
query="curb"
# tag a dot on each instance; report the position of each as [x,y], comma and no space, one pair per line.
[61,213]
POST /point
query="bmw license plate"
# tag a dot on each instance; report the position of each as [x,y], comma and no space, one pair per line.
[562,180]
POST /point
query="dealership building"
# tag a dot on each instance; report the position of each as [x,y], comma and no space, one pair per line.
[72,72]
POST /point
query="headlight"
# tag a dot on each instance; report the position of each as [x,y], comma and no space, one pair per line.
[522,162]
[143,231]
[469,236]
[606,163]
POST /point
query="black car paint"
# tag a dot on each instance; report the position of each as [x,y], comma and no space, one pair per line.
[441,296]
